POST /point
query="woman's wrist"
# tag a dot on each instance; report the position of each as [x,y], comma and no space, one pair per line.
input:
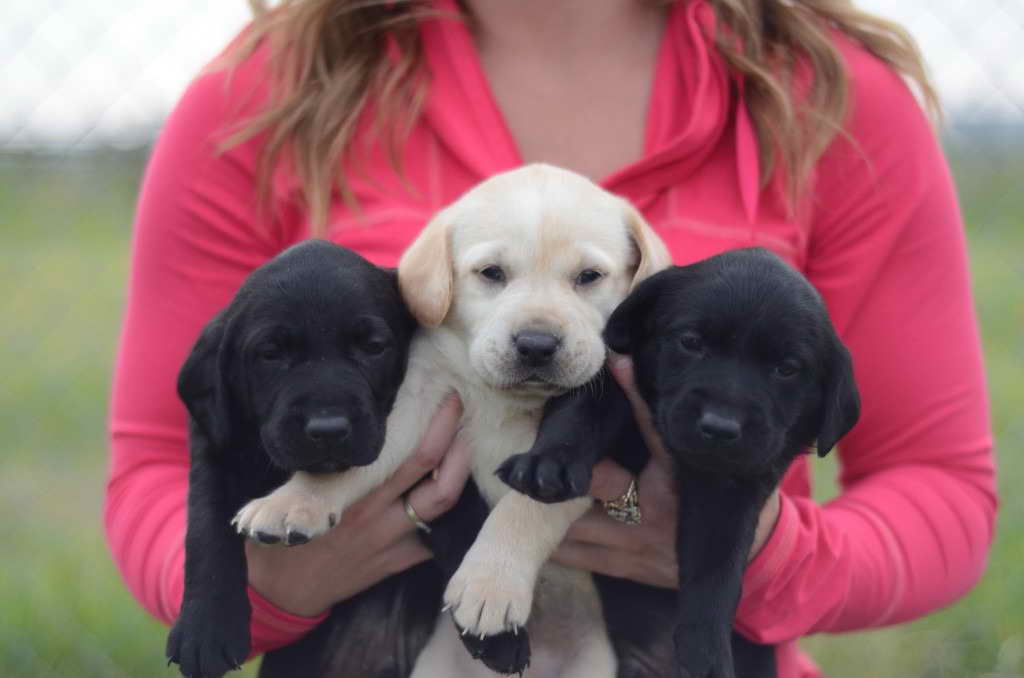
[765,524]
[290,578]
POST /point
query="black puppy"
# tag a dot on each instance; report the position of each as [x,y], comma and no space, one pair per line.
[299,372]
[743,371]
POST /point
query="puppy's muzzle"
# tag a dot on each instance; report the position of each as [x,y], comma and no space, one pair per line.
[536,348]
[321,437]
[719,433]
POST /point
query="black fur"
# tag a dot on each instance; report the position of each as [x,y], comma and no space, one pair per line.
[743,371]
[299,372]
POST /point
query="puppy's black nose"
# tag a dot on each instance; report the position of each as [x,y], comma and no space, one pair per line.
[328,428]
[536,348]
[719,428]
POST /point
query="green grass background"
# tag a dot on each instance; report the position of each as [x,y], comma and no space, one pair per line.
[64,239]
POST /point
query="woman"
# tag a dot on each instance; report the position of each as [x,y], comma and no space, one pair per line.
[727,122]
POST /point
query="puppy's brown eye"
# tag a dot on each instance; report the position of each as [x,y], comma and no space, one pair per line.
[370,335]
[588,276]
[692,342]
[270,352]
[787,369]
[493,273]
[374,344]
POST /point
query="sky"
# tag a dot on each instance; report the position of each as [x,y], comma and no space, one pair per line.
[105,72]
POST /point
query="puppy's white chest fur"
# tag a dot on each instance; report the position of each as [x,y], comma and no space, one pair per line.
[496,429]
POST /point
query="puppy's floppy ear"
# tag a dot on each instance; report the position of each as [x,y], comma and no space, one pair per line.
[407,323]
[654,254]
[425,274]
[840,403]
[627,320]
[202,382]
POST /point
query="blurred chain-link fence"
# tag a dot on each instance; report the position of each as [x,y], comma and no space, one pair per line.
[80,75]
[84,87]
[103,74]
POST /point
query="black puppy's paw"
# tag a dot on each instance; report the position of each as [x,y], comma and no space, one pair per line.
[507,653]
[541,477]
[207,644]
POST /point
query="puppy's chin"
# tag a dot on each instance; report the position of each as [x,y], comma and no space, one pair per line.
[506,374]
[528,384]
[747,458]
[532,387]
[312,458]
[327,466]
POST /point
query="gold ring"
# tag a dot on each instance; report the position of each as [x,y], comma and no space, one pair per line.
[415,517]
[625,509]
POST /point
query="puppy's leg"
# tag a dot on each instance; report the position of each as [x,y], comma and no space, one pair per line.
[492,591]
[211,634]
[308,505]
[717,518]
[450,539]
[753,660]
[578,429]
[595,657]
[640,620]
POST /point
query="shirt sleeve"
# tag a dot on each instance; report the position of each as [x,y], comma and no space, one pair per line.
[198,232]
[911,529]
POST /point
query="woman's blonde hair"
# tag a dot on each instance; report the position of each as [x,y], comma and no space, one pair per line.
[331,58]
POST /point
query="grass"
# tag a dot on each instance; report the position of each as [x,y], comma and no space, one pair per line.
[65,611]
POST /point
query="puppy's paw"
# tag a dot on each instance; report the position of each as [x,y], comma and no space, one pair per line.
[488,596]
[284,516]
[207,643]
[546,479]
[507,653]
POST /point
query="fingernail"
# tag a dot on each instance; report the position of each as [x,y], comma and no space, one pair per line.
[618,361]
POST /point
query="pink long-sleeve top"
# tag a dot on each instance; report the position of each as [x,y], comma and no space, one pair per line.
[880,237]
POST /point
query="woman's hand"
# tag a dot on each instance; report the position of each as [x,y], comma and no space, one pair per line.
[644,553]
[375,537]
